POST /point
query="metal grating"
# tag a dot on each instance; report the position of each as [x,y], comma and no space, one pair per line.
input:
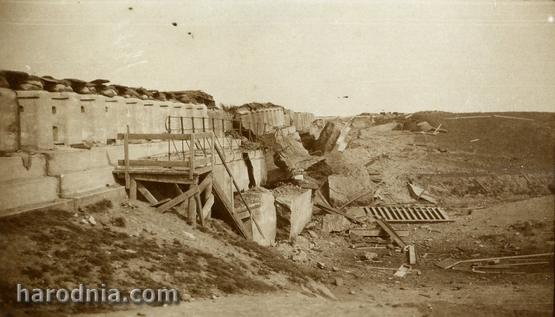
[408,214]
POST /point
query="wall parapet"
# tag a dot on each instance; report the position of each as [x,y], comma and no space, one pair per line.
[40,120]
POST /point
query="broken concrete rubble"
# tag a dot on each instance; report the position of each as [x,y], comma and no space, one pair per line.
[264,214]
[335,223]
[327,140]
[420,193]
[289,154]
[295,206]
[341,143]
[342,189]
[316,128]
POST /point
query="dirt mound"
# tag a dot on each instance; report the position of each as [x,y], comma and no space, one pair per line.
[129,247]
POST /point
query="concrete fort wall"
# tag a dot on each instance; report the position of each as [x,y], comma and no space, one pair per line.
[300,120]
[39,120]
[262,120]
[46,177]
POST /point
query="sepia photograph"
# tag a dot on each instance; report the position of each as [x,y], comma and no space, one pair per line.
[277,158]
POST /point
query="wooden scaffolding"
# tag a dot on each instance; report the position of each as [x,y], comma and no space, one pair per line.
[189,169]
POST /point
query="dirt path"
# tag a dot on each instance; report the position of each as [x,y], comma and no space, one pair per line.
[373,300]
[285,304]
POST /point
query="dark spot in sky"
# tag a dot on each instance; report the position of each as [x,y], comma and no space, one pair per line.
[345,97]
[130,8]
[174,23]
[191,34]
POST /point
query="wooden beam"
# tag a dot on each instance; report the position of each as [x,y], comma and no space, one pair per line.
[177,189]
[228,207]
[146,193]
[161,202]
[159,163]
[391,232]
[155,163]
[199,209]
[126,157]
[183,172]
[192,210]
[178,199]
[163,179]
[206,182]
[335,211]
[132,189]
[411,254]
[207,208]
[192,155]
[218,150]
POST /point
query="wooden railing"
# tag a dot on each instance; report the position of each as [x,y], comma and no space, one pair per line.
[201,142]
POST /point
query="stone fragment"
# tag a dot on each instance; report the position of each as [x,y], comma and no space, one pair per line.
[335,223]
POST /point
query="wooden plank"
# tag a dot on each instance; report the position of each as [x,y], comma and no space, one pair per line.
[126,157]
[177,189]
[192,210]
[133,189]
[207,192]
[164,136]
[333,210]
[411,254]
[218,150]
[199,208]
[161,202]
[220,194]
[146,194]
[206,182]
[165,171]
[169,164]
[449,262]
[155,163]
[163,179]
[192,155]
[362,232]
[207,208]
[391,232]
[178,199]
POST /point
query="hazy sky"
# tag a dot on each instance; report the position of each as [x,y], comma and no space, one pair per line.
[306,55]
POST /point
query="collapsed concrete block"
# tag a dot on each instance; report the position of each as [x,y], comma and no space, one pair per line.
[294,209]
[344,188]
[342,143]
[328,137]
[335,223]
[289,153]
[316,128]
[264,215]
